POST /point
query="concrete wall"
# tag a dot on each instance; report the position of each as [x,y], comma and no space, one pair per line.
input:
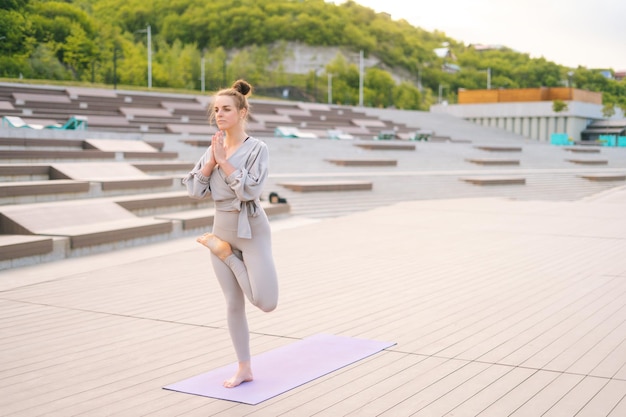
[302,59]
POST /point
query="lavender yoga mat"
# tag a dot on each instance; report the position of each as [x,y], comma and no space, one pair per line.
[283,369]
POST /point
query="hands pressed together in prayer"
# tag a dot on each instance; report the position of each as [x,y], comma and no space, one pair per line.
[218,156]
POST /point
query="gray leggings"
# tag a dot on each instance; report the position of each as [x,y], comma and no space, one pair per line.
[249,272]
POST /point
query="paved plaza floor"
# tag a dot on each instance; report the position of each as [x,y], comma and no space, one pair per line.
[497,307]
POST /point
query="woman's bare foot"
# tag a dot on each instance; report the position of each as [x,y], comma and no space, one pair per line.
[244,374]
[219,248]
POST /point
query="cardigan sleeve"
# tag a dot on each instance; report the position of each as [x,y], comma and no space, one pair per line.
[198,186]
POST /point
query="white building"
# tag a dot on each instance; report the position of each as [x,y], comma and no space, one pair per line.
[529,112]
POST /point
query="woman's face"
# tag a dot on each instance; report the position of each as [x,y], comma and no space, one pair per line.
[226,114]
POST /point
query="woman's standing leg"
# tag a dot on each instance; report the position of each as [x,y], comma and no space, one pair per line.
[235,308]
[237,321]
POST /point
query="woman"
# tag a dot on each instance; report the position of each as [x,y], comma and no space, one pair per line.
[233,171]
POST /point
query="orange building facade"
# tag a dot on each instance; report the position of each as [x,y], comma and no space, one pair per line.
[516,95]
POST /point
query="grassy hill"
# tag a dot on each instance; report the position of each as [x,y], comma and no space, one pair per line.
[195,43]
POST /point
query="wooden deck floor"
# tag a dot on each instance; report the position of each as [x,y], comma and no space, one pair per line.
[498,308]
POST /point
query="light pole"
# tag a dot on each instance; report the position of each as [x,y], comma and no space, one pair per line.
[441,87]
[488,71]
[316,74]
[570,74]
[361,78]
[202,70]
[115,67]
[202,74]
[149,32]
[330,88]
[419,79]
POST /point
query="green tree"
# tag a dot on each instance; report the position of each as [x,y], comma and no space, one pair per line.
[622,106]
[378,88]
[216,69]
[345,80]
[608,110]
[132,67]
[407,97]
[15,31]
[78,51]
[559,106]
[13,4]
[176,65]
[44,64]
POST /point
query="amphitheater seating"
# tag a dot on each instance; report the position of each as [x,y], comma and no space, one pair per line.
[583,149]
[76,93]
[204,143]
[18,122]
[386,135]
[312,186]
[84,223]
[155,203]
[128,148]
[439,139]
[108,122]
[588,161]
[21,246]
[131,111]
[110,175]
[18,149]
[338,134]
[9,191]
[363,162]
[5,105]
[605,177]
[190,129]
[386,146]
[40,143]
[369,123]
[23,171]
[119,145]
[422,134]
[202,218]
[293,132]
[28,155]
[95,193]
[74,123]
[185,107]
[493,161]
[499,148]
[23,98]
[494,180]
[357,131]
[163,166]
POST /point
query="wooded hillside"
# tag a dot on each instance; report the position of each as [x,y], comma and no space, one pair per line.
[105,42]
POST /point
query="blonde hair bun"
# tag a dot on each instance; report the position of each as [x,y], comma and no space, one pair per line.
[243,87]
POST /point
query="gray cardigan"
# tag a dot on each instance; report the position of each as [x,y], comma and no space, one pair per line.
[240,191]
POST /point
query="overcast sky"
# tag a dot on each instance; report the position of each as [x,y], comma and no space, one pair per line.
[568,32]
